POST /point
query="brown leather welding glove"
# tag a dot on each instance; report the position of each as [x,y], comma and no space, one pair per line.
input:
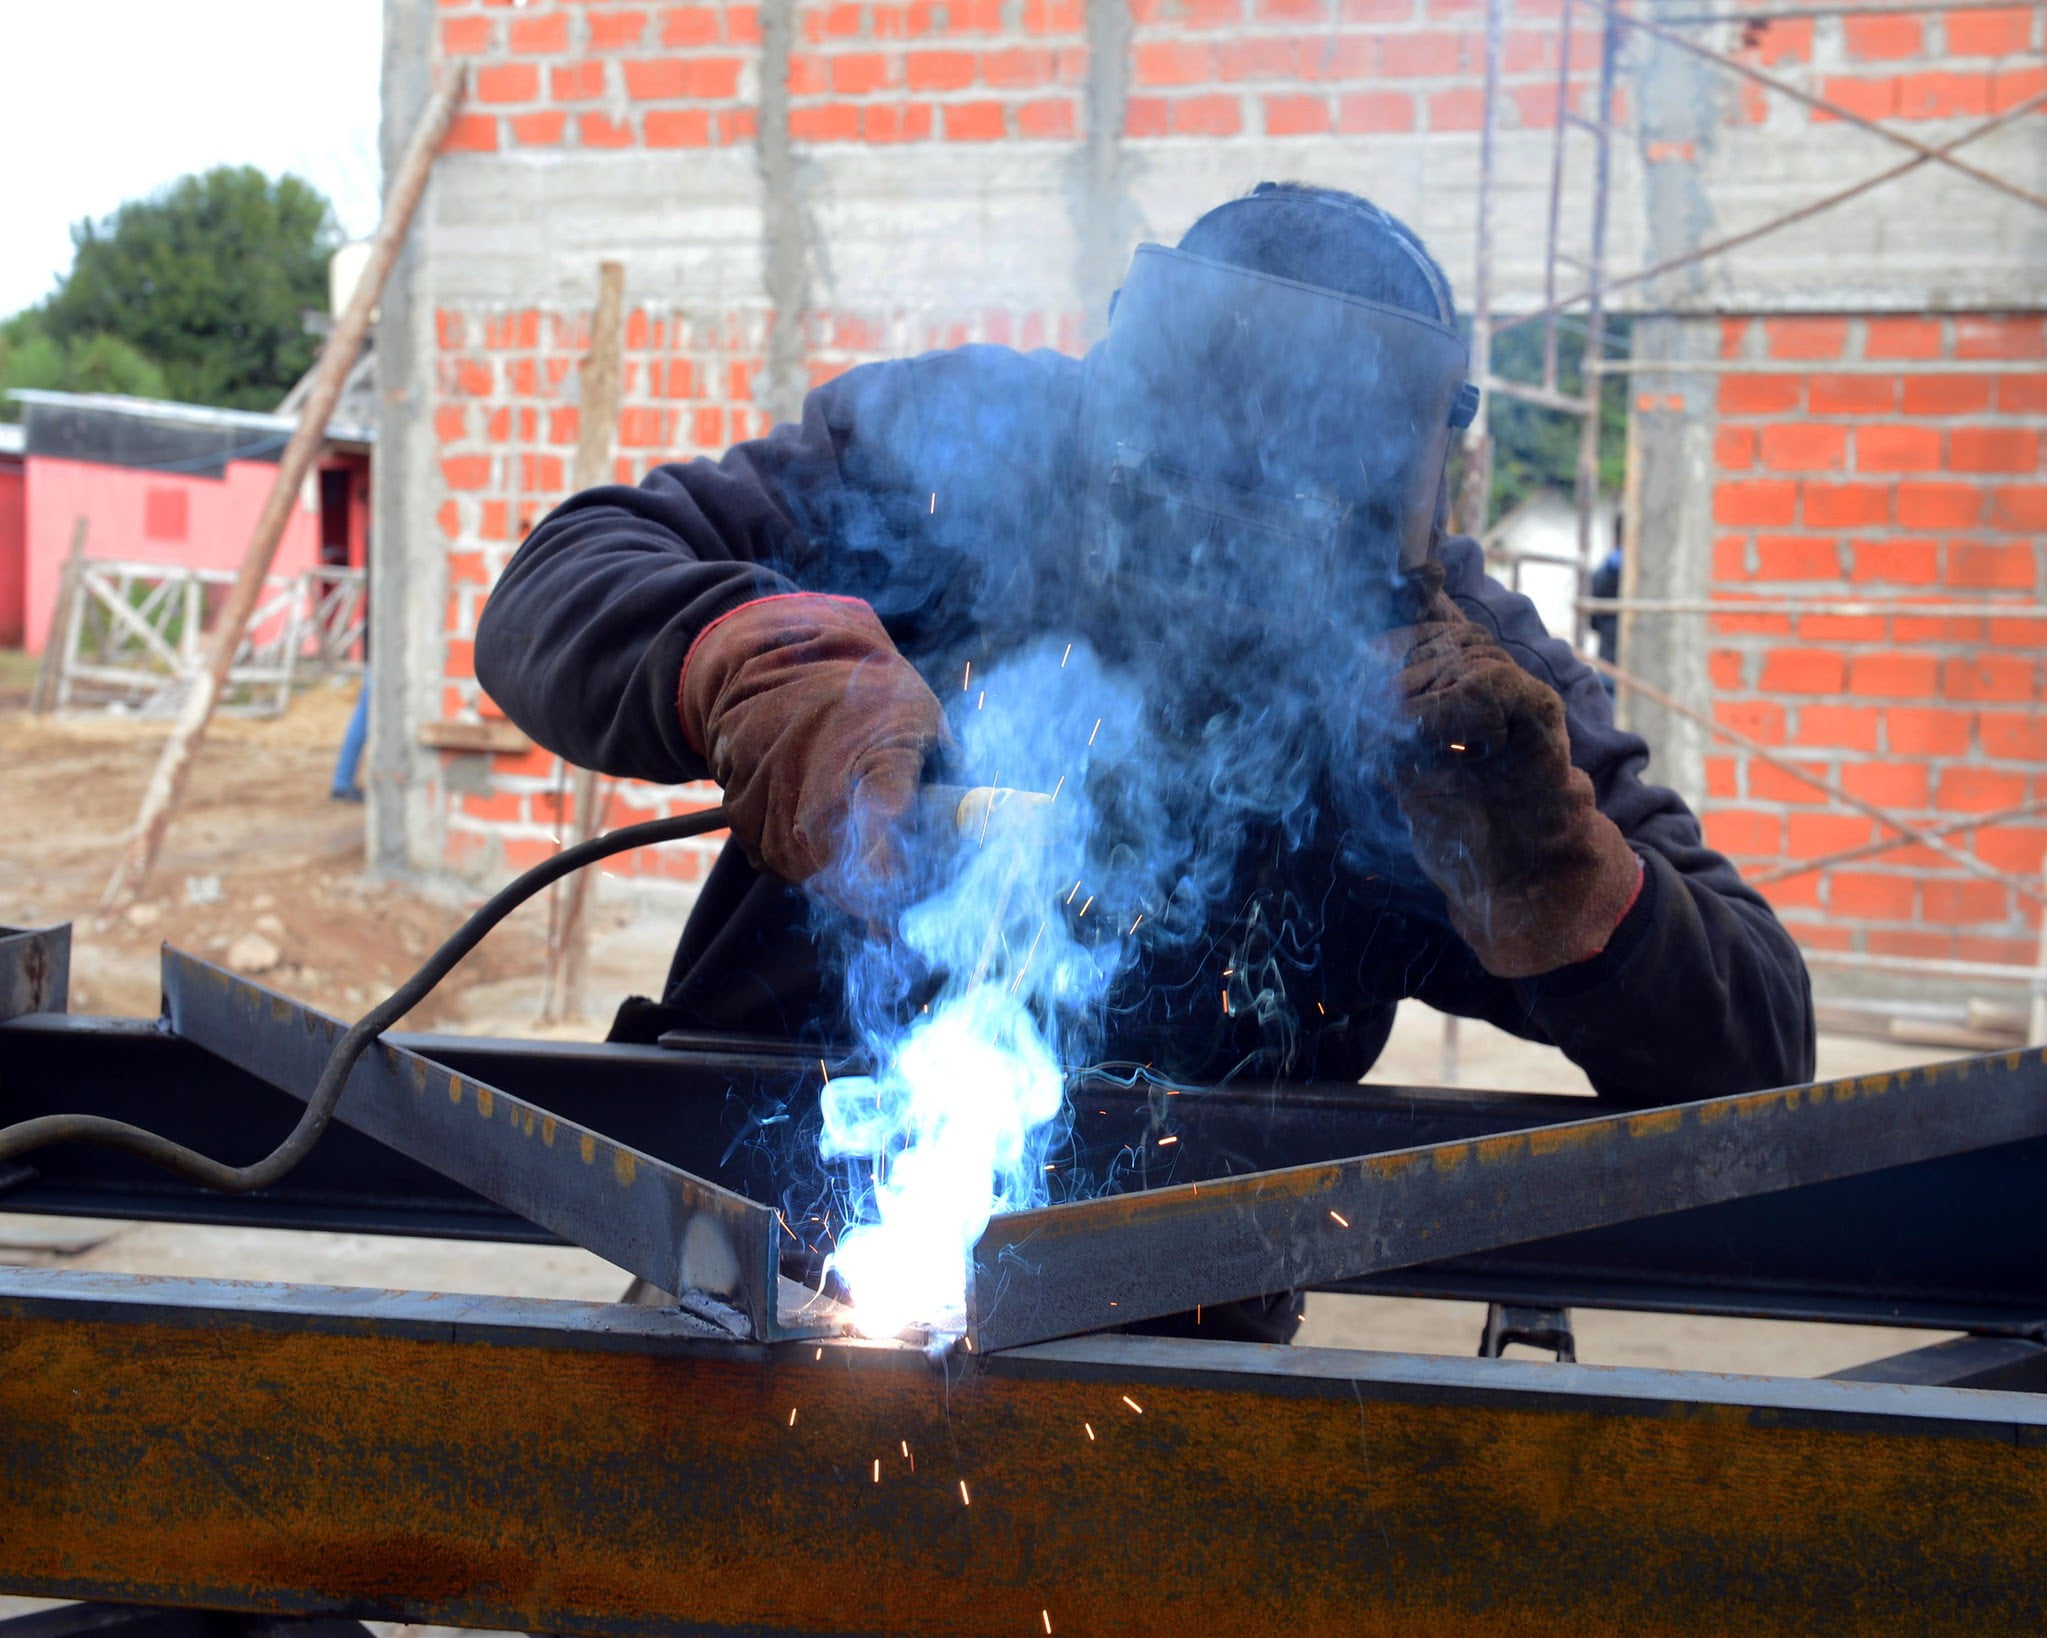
[817,729]
[1537,877]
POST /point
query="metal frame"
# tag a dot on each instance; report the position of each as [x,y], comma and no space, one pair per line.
[1067,1269]
[1920,1245]
[599,1469]
[590,1469]
[714,1249]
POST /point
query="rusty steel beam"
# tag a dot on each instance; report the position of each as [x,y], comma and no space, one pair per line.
[585,1469]
[1068,1269]
[671,1228]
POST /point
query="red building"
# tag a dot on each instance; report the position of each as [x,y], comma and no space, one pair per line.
[158,482]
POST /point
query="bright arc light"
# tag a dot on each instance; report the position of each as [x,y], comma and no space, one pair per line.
[955,1113]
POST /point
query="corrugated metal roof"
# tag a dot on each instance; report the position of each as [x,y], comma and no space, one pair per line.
[191,415]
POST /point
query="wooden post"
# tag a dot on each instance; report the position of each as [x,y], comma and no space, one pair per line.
[167,783]
[50,664]
[568,947]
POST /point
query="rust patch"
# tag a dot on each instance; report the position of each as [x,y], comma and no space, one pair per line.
[1452,1155]
[1553,1140]
[547,1130]
[1493,1150]
[589,1149]
[484,1101]
[1657,1123]
[454,1088]
[624,1166]
[558,1489]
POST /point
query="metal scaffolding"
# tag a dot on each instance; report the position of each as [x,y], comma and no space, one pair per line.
[1610,21]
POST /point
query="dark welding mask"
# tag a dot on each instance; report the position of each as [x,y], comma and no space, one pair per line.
[1268,445]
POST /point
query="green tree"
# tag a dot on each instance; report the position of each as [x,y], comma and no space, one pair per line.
[208,280]
[1536,448]
[31,357]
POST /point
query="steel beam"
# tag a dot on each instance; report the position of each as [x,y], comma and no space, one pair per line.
[592,1470]
[1069,1269]
[35,969]
[655,1220]
[1942,1245]
[2018,1363]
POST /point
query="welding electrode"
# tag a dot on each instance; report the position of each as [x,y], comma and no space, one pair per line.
[958,811]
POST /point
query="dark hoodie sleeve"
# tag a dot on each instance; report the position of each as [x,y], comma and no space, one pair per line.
[582,640]
[584,636]
[1700,991]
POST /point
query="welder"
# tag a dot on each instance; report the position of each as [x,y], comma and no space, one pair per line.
[1246,477]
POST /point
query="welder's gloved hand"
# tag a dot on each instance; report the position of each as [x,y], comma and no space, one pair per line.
[1537,877]
[817,729]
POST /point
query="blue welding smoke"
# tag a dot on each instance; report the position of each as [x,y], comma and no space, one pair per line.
[1186,652]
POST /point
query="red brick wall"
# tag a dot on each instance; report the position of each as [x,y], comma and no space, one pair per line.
[1926,484]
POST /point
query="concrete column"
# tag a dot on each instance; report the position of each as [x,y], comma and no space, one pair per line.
[408,567]
[1670,435]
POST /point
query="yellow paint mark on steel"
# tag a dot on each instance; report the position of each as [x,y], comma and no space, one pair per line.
[623,1166]
[1452,1155]
[547,1131]
[484,1101]
[1712,1114]
[1656,1123]
[589,1148]
[454,1088]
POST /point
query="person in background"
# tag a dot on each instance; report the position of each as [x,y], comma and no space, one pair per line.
[345,787]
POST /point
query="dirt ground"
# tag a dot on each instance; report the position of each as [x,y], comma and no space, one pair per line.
[260,838]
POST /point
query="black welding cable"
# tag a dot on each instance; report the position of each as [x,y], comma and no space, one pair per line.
[43,1130]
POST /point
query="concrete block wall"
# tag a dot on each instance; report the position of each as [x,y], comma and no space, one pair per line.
[1837,480]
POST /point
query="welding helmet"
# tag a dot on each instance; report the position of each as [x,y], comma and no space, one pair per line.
[1261,442]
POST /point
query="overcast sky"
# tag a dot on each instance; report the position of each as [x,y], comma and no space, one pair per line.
[108,100]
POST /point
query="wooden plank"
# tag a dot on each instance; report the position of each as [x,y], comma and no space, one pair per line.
[494,738]
[337,357]
[568,944]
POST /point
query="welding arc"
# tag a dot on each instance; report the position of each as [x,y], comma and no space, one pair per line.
[28,1135]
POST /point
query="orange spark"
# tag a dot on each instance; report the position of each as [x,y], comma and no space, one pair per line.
[965,1499]
[1133,1404]
[1341,1220]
